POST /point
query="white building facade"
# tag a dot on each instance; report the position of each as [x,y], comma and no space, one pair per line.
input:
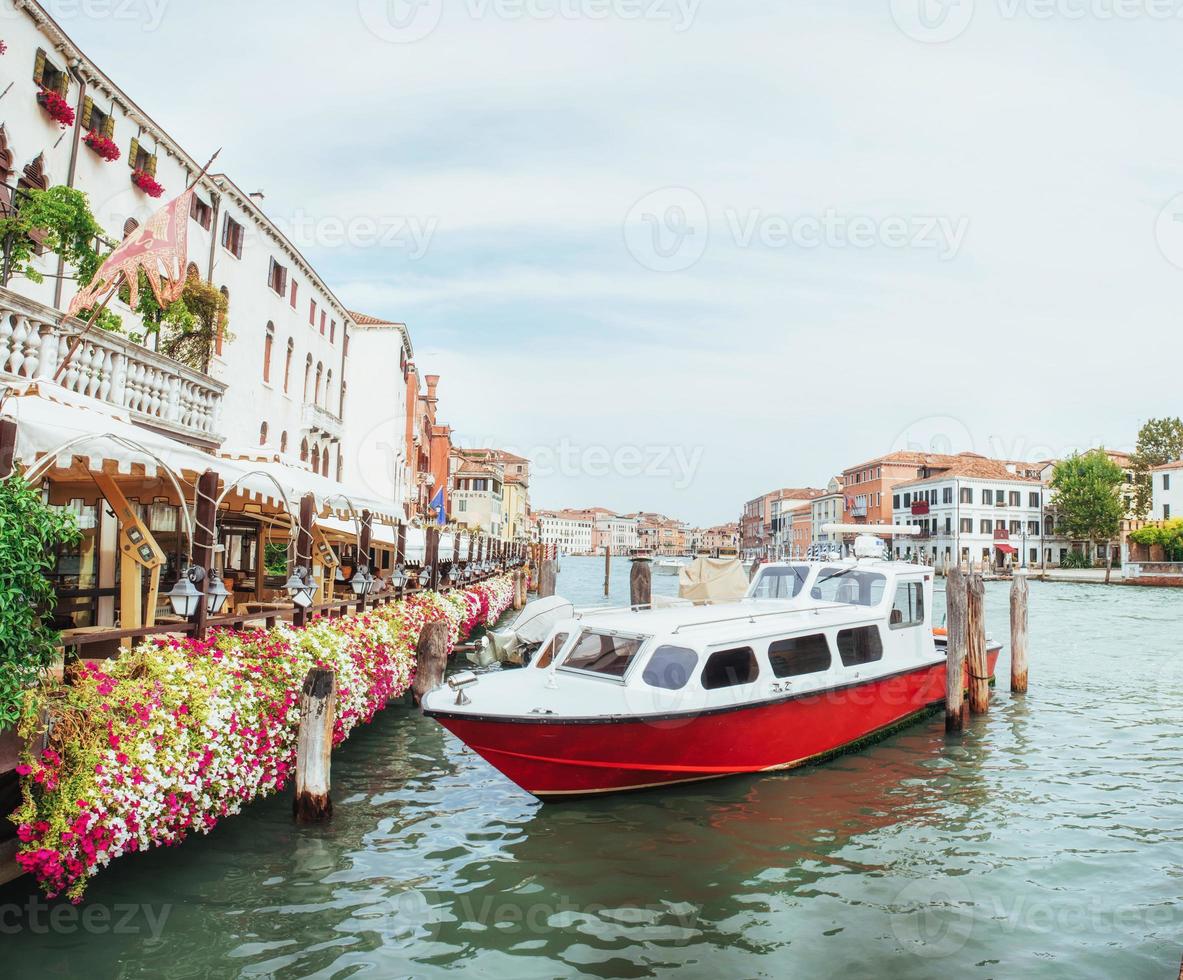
[1167,491]
[828,509]
[570,532]
[977,518]
[283,351]
[617,531]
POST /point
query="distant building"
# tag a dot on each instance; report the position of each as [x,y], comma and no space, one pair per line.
[829,508]
[1167,488]
[758,529]
[977,509]
[661,535]
[515,503]
[478,494]
[570,531]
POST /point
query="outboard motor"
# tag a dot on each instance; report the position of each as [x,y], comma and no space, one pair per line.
[517,642]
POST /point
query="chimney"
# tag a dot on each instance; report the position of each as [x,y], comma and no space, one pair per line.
[433,381]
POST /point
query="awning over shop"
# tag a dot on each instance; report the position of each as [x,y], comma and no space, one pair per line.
[1007,549]
[101,438]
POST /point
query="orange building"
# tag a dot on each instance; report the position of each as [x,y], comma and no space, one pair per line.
[868,486]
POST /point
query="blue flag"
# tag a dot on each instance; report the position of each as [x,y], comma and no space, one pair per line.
[438,503]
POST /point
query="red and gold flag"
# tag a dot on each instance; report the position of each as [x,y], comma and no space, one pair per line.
[158,247]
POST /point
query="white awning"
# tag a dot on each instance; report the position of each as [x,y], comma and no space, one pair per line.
[382,534]
[104,438]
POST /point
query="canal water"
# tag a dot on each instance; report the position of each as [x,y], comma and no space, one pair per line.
[1046,842]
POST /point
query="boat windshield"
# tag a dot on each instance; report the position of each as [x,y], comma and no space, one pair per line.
[781,582]
[602,653]
[850,586]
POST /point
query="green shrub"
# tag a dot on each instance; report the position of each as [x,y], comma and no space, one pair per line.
[30,532]
[1076,559]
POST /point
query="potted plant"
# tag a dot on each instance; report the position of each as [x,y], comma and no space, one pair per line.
[59,110]
[147,183]
[104,146]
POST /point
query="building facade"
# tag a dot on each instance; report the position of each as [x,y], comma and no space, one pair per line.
[569,531]
[977,510]
[829,508]
[1167,491]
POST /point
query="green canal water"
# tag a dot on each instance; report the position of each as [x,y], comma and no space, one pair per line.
[1046,842]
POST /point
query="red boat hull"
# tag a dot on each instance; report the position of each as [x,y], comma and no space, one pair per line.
[559,758]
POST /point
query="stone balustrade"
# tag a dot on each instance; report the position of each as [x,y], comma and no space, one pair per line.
[154,389]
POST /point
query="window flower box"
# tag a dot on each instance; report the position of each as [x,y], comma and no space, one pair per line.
[147,183]
[59,110]
[104,146]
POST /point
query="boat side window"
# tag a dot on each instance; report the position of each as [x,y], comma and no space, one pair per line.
[602,653]
[670,668]
[781,583]
[908,608]
[557,642]
[730,668]
[799,655]
[849,586]
[861,645]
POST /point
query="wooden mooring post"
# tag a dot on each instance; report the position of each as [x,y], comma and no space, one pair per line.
[956,708]
[314,747]
[607,570]
[1019,593]
[546,578]
[640,582]
[431,660]
[975,623]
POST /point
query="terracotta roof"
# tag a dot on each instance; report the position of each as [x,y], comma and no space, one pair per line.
[1177,464]
[973,467]
[365,320]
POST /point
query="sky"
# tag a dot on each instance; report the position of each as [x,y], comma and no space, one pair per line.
[682,252]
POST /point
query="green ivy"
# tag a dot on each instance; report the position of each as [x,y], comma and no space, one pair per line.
[30,532]
[58,219]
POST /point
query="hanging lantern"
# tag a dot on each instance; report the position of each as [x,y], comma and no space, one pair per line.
[216,595]
[425,577]
[454,574]
[298,589]
[362,582]
[398,578]
[185,597]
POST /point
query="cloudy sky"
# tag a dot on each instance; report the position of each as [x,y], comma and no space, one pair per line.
[685,251]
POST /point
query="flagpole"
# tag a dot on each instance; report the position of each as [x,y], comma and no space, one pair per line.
[77,342]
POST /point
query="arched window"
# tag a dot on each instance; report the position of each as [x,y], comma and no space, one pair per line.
[5,167]
[324,463]
[263,434]
[303,450]
[129,226]
[287,365]
[319,378]
[341,403]
[316,459]
[283,442]
[192,272]
[328,387]
[268,344]
[340,467]
[307,375]
[222,323]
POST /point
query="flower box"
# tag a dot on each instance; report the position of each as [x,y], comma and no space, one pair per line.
[104,146]
[59,110]
[147,183]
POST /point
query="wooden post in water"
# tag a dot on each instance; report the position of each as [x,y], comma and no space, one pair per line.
[546,578]
[607,570]
[314,746]
[640,583]
[956,708]
[1019,593]
[431,659]
[975,650]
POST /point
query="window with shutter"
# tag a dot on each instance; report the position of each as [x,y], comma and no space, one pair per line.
[133,153]
[39,66]
[87,112]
